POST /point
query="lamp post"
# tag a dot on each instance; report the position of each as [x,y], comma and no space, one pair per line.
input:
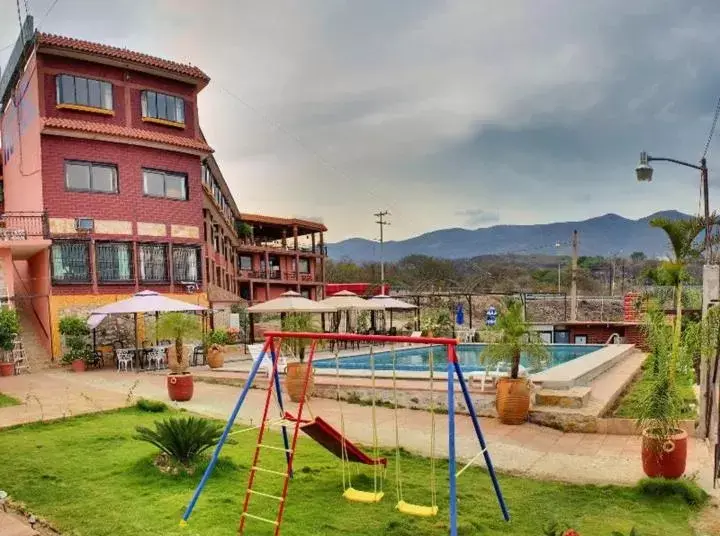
[644,173]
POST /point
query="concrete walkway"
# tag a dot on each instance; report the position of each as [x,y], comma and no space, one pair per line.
[527,450]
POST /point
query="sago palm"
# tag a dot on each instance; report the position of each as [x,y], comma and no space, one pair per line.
[184,439]
[515,338]
[179,327]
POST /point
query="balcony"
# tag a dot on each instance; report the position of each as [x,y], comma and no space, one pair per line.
[24,233]
[277,247]
[278,276]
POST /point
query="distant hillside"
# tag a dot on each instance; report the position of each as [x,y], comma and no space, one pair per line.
[605,235]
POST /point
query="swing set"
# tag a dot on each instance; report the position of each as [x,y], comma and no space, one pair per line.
[336,441]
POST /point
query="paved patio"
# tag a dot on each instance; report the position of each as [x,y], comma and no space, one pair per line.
[527,450]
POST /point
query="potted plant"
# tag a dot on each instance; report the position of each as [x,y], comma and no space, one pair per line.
[296,372]
[9,328]
[179,327]
[437,323]
[514,339]
[215,343]
[664,444]
[75,332]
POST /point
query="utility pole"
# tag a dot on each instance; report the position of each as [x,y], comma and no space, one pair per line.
[382,222]
[573,279]
[557,248]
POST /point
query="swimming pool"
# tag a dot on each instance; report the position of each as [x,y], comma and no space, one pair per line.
[418,359]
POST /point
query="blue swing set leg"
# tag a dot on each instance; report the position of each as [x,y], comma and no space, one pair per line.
[269,346]
[453,369]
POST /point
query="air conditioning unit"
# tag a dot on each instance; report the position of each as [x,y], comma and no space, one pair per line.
[84,225]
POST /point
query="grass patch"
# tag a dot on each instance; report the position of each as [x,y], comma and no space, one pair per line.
[70,471]
[6,401]
[686,489]
[629,402]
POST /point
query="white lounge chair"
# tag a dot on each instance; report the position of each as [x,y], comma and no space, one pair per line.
[266,365]
[483,375]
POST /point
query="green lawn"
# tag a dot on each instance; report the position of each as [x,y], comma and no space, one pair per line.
[6,401]
[628,404]
[89,475]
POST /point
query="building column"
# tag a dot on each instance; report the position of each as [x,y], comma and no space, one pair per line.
[284,238]
[295,237]
[312,237]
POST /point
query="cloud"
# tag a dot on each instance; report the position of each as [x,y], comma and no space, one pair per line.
[477,217]
[343,108]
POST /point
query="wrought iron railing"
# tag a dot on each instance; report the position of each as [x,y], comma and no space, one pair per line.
[23,225]
[114,262]
[186,264]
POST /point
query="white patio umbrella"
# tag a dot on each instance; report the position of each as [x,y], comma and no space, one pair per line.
[146,301]
[392,304]
[291,302]
[349,301]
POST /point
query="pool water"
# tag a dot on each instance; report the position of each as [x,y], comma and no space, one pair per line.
[418,359]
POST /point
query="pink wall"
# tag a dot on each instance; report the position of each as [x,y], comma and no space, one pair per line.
[20,129]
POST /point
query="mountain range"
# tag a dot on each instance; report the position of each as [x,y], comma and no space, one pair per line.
[606,235]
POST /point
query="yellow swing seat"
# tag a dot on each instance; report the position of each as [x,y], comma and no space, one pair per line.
[416,509]
[355,495]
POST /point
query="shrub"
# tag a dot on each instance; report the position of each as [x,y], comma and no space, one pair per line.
[218,336]
[686,489]
[9,328]
[75,331]
[151,406]
[183,439]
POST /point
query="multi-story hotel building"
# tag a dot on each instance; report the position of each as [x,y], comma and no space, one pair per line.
[109,187]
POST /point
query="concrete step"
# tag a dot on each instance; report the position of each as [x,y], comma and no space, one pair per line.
[11,525]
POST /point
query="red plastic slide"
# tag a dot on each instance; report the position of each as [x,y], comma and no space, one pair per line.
[327,436]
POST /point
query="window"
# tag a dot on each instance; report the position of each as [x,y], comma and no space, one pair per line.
[153,263]
[245,262]
[164,184]
[84,92]
[70,262]
[114,262]
[160,106]
[89,177]
[186,264]
[304,266]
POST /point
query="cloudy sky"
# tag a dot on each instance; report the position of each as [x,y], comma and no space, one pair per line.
[447,113]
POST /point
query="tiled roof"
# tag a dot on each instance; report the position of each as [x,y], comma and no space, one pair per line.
[271,220]
[124,132]
[121,54]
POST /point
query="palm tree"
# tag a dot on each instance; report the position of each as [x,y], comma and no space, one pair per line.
[684,248]
[179,327]
[298,323]
[516,338]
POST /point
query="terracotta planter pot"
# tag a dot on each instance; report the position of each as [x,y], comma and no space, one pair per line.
[78,365]
[513,400]
[180,387]
[7,369]
[215,358]
[295,379]
[664,458]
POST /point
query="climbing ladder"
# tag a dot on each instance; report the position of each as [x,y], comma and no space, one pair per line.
[288,449]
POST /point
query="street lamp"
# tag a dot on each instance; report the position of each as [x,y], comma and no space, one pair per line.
[644,173]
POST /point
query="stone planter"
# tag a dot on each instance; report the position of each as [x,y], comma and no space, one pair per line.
[215,356]
[7,369]
[295,381]
[78,365]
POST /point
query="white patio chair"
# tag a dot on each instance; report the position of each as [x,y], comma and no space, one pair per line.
[156,356]
[125,358]
[266,364]
[483,375]
[19,359]
[415,335]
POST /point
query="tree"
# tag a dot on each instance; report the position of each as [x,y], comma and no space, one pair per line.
[682,235]
[516,338]
[637,256]
[179,327]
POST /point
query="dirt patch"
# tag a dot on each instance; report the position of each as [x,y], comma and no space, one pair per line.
[707,523]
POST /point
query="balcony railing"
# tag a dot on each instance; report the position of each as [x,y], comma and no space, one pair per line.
[277,276]
[262,246]
[23,225]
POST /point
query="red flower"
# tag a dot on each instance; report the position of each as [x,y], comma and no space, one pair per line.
[571,532]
